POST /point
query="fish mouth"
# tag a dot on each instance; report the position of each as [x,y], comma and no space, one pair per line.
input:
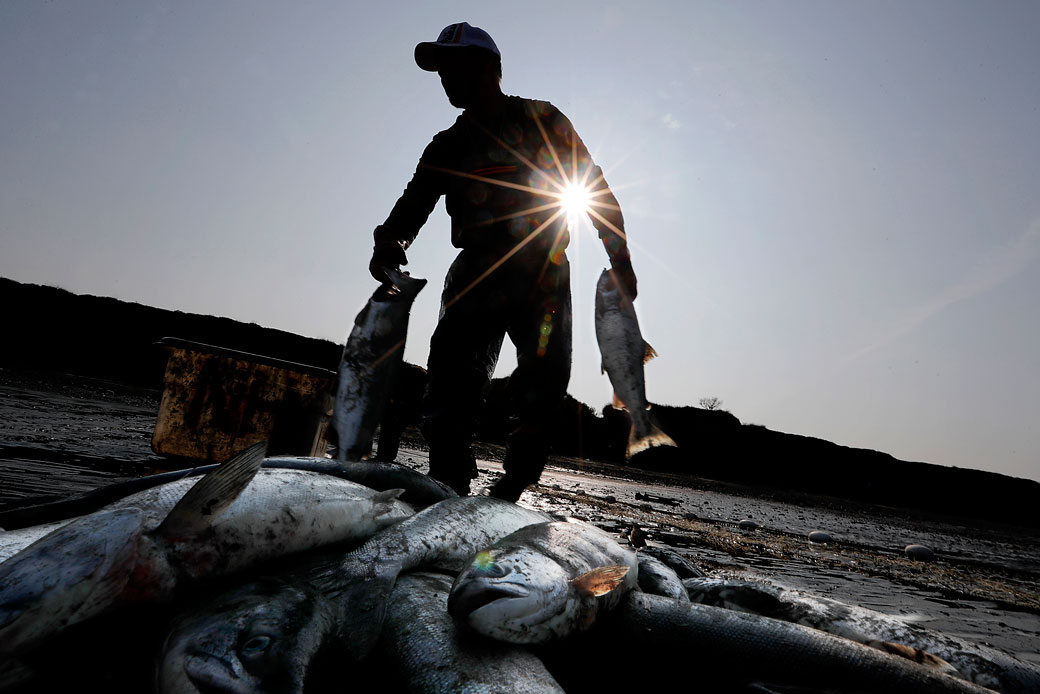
[469,597]
[213,674]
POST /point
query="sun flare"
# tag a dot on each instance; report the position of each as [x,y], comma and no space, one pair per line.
[575,200]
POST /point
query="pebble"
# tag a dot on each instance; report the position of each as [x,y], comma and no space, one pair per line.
[610,499]
[820,537]
[747,524]
[637,537]
[919,553]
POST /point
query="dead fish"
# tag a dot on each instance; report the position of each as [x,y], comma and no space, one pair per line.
[443,536]
[418,490]
[141,548]
[658,578]
[423,650]
[262,636]
[371,358]
[727,648]
[980,664]
[543,582]
[683,567]
[624,352]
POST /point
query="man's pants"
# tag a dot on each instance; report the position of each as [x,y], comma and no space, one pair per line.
[530,301]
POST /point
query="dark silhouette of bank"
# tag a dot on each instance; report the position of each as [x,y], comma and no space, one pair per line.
[502,168]
[51,329]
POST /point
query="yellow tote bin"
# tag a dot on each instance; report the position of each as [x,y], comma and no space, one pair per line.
[218,401]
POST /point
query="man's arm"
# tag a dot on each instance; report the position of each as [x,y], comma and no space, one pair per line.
[604,210]
[408,215]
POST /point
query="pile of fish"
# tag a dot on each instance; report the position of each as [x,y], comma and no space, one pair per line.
[263,579]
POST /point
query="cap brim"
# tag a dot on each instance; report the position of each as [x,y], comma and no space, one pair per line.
[430,55]
[427,55]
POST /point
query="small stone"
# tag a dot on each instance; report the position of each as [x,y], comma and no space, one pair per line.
[637,537]
[610,499]
[819,537]
[919,553]
[747,524]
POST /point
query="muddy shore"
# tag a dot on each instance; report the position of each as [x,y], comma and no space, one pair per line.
[61,434]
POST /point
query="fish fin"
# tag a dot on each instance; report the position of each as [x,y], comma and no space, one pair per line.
[72,574]
[212,494]
[602,580]
[654,437]
[648,352]
[387,496]
[362,600]
[384,501]
[916,655]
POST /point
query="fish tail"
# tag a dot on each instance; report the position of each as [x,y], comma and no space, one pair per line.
[638,442]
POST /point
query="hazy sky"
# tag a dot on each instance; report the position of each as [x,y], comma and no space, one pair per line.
[834,207]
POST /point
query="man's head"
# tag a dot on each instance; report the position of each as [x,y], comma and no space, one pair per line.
[467,60]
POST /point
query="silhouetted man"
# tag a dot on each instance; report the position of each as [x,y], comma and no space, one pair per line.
[501,168]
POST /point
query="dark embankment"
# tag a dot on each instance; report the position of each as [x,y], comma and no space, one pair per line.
[49,328]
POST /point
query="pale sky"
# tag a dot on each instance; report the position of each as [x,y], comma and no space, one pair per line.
[833,207]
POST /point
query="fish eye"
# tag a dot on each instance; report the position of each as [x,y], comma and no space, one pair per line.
[256,645]
[485,565]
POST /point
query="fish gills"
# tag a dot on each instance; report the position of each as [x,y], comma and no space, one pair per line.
[624,352]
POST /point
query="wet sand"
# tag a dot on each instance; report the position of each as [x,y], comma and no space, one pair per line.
[60,435]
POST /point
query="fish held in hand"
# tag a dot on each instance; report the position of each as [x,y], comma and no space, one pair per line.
[624,351]
[543,582]
[371,358]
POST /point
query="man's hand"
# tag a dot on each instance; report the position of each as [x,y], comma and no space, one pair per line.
[387,255]
[624,277]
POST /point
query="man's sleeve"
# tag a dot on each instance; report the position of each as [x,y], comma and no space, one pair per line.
[417,201]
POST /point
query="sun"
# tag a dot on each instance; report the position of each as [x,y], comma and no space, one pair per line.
[575,200]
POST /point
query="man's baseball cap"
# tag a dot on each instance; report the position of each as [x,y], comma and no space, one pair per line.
[455,36]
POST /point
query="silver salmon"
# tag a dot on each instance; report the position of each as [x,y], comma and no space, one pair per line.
[371,358]
[236,641]
[727,648]
[624,352]
[543,582]
[142,547]
[426,653]
[982,665]
[445,536]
